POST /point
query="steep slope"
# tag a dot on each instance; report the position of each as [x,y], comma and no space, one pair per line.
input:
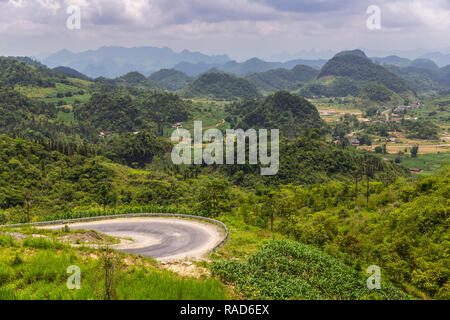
[16,72]
[171,79]
[289,113]
[249,66]
[136,79]
[220,86]
[424,64]
[439,58]
[194,69]
[356,66]
[392,60]
[283,79]
[444,76]
[245,68]
[20,115]
[71,73]
[420,79]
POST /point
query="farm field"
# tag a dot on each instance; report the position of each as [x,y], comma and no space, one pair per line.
[332,112]
[429,163]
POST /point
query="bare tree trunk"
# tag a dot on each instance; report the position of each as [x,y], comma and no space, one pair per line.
[368,189]
[271,221]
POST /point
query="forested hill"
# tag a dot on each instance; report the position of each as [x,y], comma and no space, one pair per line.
[119,112]
[283,79]
[71,73]
[20,115]
[16,72]
[424,76]
[171,79]
[220,86]
[356,66]
[289,113]
[138,80]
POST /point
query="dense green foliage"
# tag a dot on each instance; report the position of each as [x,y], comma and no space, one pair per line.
[421,80]
[20,115]
[136,149]
[345,208]
[288,113]
[220,86]
[424,76]
[110,111]
[119,112]
[360,68]
[283,79]
[401,227]
[287,270]
[34,172]
[14,72]
[71,73]
[337,87]
[375,91]
[136,79]
[171,79]
[421,130]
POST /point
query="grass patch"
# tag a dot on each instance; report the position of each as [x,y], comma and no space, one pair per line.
[429,163]
[37,270]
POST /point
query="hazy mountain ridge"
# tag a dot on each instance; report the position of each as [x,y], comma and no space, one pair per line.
[245,68]
[112,62]
[71,73]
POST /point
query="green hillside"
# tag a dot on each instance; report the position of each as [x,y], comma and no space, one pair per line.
[14,72]
[420,79]
[21,115]
[283,79]
[289,113]
[72,147]
[71,73]
[222,86]
[119,112]
[359,68]
[136,79]
[170,79]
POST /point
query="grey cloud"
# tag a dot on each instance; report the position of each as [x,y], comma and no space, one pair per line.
[226,24]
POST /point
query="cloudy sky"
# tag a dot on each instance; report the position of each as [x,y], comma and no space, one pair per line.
[240,28]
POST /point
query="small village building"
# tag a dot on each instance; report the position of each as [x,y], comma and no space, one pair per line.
[105,134]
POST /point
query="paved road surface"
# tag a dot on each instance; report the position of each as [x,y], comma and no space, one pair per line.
[159,238]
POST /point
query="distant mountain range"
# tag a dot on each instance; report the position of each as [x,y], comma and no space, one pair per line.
[245,68]
[388,79]
[440,59]
[112,62]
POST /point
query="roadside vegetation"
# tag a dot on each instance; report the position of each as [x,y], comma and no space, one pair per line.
[344,199]
[36,269]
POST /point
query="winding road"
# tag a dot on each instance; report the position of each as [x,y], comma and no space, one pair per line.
[161,238]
